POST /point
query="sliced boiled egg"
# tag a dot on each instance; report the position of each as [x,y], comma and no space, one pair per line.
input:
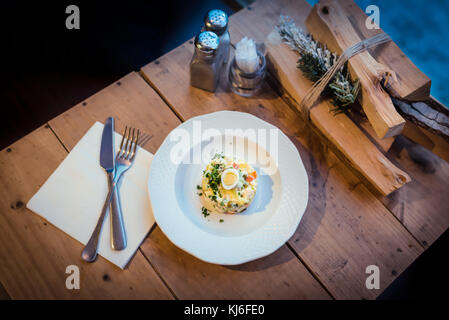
[229,178]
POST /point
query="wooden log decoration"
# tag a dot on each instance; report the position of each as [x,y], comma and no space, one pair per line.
[339,129]
[329,25]
[412,84]
[427,119]
[427,124]
[423,115]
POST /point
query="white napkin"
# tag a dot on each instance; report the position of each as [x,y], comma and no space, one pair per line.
[73,196]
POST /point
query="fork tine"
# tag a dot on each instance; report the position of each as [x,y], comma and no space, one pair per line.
[121,143]
[126,149]
[128,155]
[135,146]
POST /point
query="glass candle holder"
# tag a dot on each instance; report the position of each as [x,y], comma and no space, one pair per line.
[247,84]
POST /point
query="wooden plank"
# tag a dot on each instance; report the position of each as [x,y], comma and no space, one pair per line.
[422,205]
[130,101]
[429,209]
[329,25]
[36,254]
[135,102]
[413,84]
[429,119]
[3,294]
[339,129]
[344,224]
[279,276]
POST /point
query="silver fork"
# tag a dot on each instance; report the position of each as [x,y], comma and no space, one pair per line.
[123,161]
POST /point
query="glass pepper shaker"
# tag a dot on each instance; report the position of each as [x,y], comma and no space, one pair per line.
[205,65]
[217,21]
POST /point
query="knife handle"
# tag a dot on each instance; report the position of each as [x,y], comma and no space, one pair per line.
[118,233]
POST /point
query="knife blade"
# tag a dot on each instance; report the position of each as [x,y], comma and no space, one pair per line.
[107,159]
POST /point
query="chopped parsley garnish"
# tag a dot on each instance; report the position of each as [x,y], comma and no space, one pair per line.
[221,220]
[218,156]
[214,179]
[198,187]
[205,212]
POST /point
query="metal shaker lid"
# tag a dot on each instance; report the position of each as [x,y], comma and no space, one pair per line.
[207,42]
[216,20]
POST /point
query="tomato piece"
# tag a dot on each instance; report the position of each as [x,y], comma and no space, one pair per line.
[249,178]
[254,174]
[235,165]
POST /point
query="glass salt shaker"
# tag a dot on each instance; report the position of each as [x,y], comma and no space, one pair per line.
[217,21]
[205,65]
[247,84]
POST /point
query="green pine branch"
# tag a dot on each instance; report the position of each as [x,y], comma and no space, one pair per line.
[315,60]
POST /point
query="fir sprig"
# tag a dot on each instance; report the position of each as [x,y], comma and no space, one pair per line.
[314,61]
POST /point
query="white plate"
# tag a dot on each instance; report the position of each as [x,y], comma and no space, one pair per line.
[272,217]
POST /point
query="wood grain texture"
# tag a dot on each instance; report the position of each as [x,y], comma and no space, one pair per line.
[279,276]
[328,24]
[422,206]
[345,227]
[433,122]
[364,125]
[130,101]
[435,143]
[36,254]
[135,102]
[3,294]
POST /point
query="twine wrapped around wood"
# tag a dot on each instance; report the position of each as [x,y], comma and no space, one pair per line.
[314,93]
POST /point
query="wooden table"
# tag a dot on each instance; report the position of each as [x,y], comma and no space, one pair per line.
[344,229]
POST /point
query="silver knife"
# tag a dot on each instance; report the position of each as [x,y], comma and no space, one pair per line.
[107,161]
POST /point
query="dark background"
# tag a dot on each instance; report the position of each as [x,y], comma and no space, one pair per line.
[46,69]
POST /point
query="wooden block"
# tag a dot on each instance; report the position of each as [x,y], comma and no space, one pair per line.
[36,254]
[331,227]
[430,119]
[329,25]
[413,85]
[339,129]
